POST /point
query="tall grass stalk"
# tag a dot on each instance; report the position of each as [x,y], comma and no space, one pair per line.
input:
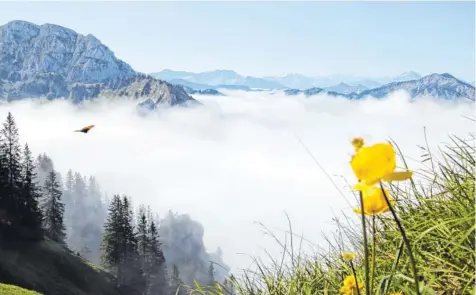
[436,211]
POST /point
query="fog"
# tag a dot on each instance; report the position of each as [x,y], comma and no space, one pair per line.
[238,159]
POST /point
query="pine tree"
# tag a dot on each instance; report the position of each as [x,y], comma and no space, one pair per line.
[78,213]
[156,267]
[120,253]
[68,190]
[176,284]
[69,205]
[211,275]
[10,162]
[143,245]
[31,216]
[53,209]
[133,277]
[113,241]
[44,165]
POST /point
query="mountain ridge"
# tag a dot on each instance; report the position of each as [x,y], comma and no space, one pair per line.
[51,61]
[290,80]
[436,85]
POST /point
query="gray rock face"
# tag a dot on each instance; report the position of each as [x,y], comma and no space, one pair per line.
[50,61]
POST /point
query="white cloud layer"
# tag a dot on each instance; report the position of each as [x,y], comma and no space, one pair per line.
[235,161]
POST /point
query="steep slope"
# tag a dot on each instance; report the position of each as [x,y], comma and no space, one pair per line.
[51,61]
[50,269]
[15,290]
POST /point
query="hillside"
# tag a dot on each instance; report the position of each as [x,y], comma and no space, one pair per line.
[15,290]
[51,61]
[50,269]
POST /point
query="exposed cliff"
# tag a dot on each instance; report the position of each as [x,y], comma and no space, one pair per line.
[51,61]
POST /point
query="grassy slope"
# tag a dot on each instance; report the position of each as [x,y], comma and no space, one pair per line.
[438,213]
[14,290]
[50,269]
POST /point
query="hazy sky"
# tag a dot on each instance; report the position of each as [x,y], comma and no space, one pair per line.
[235,161]
[271,38]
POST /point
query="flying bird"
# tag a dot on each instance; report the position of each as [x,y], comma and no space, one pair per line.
[85,129]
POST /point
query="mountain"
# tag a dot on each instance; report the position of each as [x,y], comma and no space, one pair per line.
[406,76]
[346,88]
[294,80]
[197,86]
[218,78]
[226,78]
[203,91]
[436,85]
[298,81]
[51,61]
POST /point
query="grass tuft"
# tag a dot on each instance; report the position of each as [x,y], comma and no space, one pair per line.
[437,211]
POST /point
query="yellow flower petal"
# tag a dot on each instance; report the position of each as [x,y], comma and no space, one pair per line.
[348,256]
[372,163]
[398,176]
[373,199]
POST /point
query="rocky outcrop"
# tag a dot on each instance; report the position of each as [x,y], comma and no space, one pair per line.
[51,61]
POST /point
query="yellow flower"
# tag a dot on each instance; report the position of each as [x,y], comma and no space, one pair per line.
[396,293]
[348,256]
[373,198]
[376,162]
[357,142]
[346,290]
[350,286]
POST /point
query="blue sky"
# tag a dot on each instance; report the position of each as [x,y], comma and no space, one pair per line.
[270,38]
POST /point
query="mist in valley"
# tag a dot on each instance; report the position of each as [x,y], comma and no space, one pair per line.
[213,173]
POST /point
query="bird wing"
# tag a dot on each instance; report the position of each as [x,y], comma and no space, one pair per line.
[85,129]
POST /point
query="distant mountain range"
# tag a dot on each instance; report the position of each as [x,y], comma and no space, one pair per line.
[435,85]
[227,78]
[51,61]
[438,85]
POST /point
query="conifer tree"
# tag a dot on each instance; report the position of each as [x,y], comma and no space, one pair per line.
[112,243]
[11,167]
[31,216]
[211,275]
[133,276]
[157,267]
[68,191]
[143,245]
[53,209]
[120,253]
[176,284]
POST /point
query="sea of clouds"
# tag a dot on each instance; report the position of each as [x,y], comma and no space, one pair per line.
[237,160]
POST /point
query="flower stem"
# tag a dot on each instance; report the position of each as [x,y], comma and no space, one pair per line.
[373,253]
[366,250]
[355,277]
[405,240]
